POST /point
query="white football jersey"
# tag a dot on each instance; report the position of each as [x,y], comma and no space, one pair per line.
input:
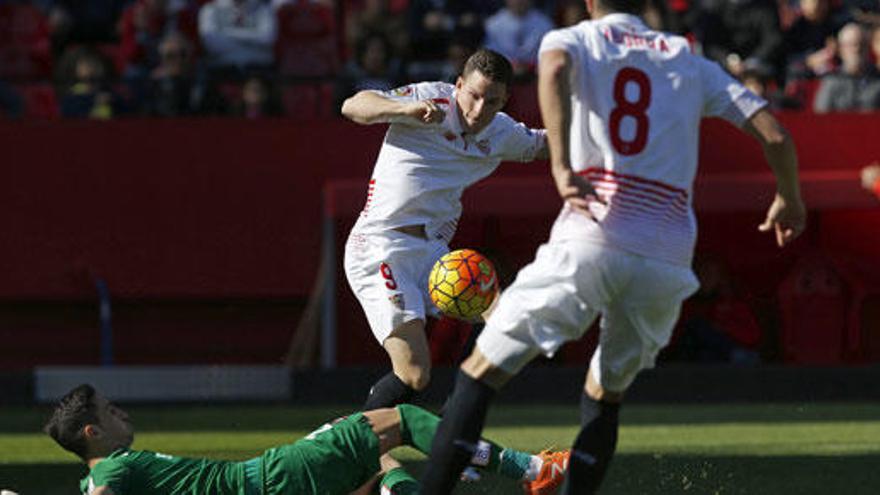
[637,99]
[422,170]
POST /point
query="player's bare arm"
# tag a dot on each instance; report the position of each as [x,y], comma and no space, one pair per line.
[787,216]
[101,490]
[870,175]
[553,96]
[369,107]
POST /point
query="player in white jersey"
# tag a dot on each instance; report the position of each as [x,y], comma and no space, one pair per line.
[442,139]
[622,106]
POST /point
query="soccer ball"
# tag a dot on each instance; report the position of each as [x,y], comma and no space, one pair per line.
[463,284]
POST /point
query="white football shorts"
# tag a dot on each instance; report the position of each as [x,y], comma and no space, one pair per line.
[388,273]
[559,295]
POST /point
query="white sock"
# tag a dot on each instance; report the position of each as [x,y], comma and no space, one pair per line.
[535,465]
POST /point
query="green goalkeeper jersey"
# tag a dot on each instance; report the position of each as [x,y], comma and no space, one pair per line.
[137,472]
[333,460]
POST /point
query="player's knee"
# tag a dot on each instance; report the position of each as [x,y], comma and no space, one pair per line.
[598,392]
[416,377]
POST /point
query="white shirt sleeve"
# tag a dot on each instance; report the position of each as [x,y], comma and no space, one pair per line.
[518,142]
[726,97]
[411,92]
[560,39]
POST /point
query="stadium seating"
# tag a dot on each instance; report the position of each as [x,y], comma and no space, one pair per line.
[306,44]
[814,304]
[214,224]
[24,42]
[40,101]
[308,101]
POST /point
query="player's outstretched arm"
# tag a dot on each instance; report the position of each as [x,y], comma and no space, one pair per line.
[554,99]
[787,216]
[369,107]
[871,178]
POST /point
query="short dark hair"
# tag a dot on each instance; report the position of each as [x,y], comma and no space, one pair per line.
[73,412]
[491,64]
[635,7]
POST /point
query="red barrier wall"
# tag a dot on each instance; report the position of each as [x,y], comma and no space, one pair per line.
[225,208]
[218,209]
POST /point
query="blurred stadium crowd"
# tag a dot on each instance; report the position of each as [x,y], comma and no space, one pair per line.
[104,59]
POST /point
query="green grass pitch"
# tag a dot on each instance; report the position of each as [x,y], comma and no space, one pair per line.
[748,449]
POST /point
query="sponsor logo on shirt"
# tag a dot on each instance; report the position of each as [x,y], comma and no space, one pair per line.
[397,301]
[450,136]
[402,91]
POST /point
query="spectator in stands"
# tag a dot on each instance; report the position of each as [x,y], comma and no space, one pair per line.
[143,25]
[24,41]
[810,42]
[875,46]
[141,28]
[376,17]
[717,325]
[11,103]
[238,34]
[259,99]
[516,32]
[459,51]
[855,86]
[570,12]
[90,95]
[742,34]
[866,12]
[373,67]
[78,21]
[176,87]
[657,15]
[434,23]
[871,178]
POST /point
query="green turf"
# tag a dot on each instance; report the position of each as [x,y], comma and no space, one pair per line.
[688,449]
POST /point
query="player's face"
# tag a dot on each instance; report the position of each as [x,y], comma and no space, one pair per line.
[479,99]
[114,423]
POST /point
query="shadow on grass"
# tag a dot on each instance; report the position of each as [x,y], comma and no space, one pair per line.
[282,417]
[630,474]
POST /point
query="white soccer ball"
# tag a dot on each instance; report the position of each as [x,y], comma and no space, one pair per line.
[7,492]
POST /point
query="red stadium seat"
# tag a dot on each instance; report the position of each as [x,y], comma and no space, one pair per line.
[803,91]
[40,101]
[306,44]
[814,302]
[852,240]
[308,101]
[24,42]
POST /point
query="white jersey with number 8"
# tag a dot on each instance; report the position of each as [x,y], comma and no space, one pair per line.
[637,96]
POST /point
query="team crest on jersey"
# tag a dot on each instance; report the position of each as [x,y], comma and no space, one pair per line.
[483,146]
[402,91]
[450,136]
[396,301]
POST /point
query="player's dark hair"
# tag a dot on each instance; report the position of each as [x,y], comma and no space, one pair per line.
[491,64]
[73,412]
[635,7]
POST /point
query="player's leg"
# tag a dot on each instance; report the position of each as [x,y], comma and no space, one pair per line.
[407,347]
[538,312]
[634,328]
[596,443]
[383,270]
[411,425]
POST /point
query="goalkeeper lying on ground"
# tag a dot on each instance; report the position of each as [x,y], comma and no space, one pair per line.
[337,458]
